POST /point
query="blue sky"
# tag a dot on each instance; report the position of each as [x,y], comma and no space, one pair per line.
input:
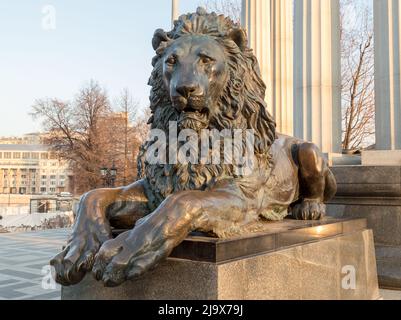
[109,41]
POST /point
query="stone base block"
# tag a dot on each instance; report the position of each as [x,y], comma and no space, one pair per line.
[374,193]
[389,266]
[297,260]
[339,159]
[381,158]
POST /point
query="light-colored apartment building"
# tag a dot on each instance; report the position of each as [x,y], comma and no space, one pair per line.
[28,167]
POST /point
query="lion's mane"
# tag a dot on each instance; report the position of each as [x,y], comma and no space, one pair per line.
[241,105]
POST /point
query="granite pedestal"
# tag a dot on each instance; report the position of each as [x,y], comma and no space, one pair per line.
[374,193]
[294,260]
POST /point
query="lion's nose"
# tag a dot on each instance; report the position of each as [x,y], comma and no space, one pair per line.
[186,90]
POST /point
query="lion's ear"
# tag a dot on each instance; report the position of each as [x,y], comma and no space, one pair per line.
[239,37]
[158,37]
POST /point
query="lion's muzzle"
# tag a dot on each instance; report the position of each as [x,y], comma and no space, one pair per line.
[190,104]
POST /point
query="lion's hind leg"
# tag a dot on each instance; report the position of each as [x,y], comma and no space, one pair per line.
[317,183]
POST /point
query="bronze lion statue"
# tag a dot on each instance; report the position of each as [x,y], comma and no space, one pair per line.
[204,77]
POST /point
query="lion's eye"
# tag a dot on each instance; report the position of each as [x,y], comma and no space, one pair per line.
[171,60]
[206,60]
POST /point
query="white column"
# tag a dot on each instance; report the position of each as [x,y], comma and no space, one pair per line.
[175,10]
[269,27]
[387,31]
[317,73]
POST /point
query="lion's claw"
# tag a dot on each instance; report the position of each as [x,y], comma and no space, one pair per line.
[123,258]
[106,268]
[309,210]
[76,259]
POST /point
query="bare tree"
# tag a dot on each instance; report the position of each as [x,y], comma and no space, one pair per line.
[231,8]
[89,134]
[357,75]
[127,107]
[128,134]
[74,132]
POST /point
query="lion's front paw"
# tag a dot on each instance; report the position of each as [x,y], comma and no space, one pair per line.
[78,256]
[126,257]
[309,210]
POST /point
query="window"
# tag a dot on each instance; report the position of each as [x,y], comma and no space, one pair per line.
[1,155]
[53,183]
[52,177]
[35,155]
[26,155]
[44,177]
[33,183]
[53,190]
[17,155]
[62,177]
[7,155]
[44,156]
[43,183]
[42,189]
[61,183]
[23,176]
[33,190]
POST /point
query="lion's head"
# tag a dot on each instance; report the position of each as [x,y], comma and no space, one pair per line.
[205,77]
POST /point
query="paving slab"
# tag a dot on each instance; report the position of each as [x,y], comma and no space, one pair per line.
[24,260]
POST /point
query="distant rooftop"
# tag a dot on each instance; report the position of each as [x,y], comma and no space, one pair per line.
[23,147]
[29,138]
[24,136]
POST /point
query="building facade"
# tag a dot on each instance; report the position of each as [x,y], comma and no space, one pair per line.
[28,167]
